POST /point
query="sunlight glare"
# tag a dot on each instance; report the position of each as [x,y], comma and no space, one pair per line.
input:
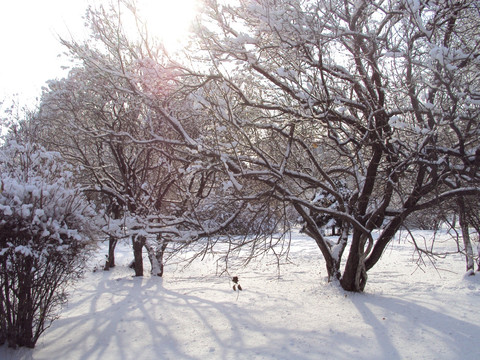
[168,20]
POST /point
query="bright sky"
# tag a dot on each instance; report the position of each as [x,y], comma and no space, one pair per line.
[28,42]
[29,32]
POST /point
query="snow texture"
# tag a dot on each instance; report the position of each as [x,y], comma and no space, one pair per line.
[407,312]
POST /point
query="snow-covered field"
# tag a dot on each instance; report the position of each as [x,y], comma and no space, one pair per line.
[406,312]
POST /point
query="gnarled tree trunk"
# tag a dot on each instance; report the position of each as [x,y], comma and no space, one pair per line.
[138,242]
[155,254]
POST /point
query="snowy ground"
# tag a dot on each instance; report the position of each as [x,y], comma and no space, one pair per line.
[407,312]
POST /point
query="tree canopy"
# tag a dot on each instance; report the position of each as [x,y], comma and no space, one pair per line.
[275,107]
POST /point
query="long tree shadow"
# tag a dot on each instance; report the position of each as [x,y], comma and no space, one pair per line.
[142,318]
[108,319]
[434,332]
[139,318]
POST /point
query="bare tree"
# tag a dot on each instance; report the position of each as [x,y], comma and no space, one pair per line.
[122,115]
[382,96]
[372,104]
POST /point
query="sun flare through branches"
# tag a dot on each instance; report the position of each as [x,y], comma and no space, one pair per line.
[168,21]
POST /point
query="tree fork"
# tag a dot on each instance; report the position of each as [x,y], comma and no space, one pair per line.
[354,277]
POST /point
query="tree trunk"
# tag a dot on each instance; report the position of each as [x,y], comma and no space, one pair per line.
[332,264]
[478,259]
[463,221]
[3,322]
[138,242]
[112,243]
[155,254]
[24,325]
[354,277]
[110,262]
[25,332]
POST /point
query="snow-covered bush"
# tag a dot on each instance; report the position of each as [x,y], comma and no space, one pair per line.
[45,231]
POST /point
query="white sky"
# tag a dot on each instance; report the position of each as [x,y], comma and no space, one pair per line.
[29,44]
